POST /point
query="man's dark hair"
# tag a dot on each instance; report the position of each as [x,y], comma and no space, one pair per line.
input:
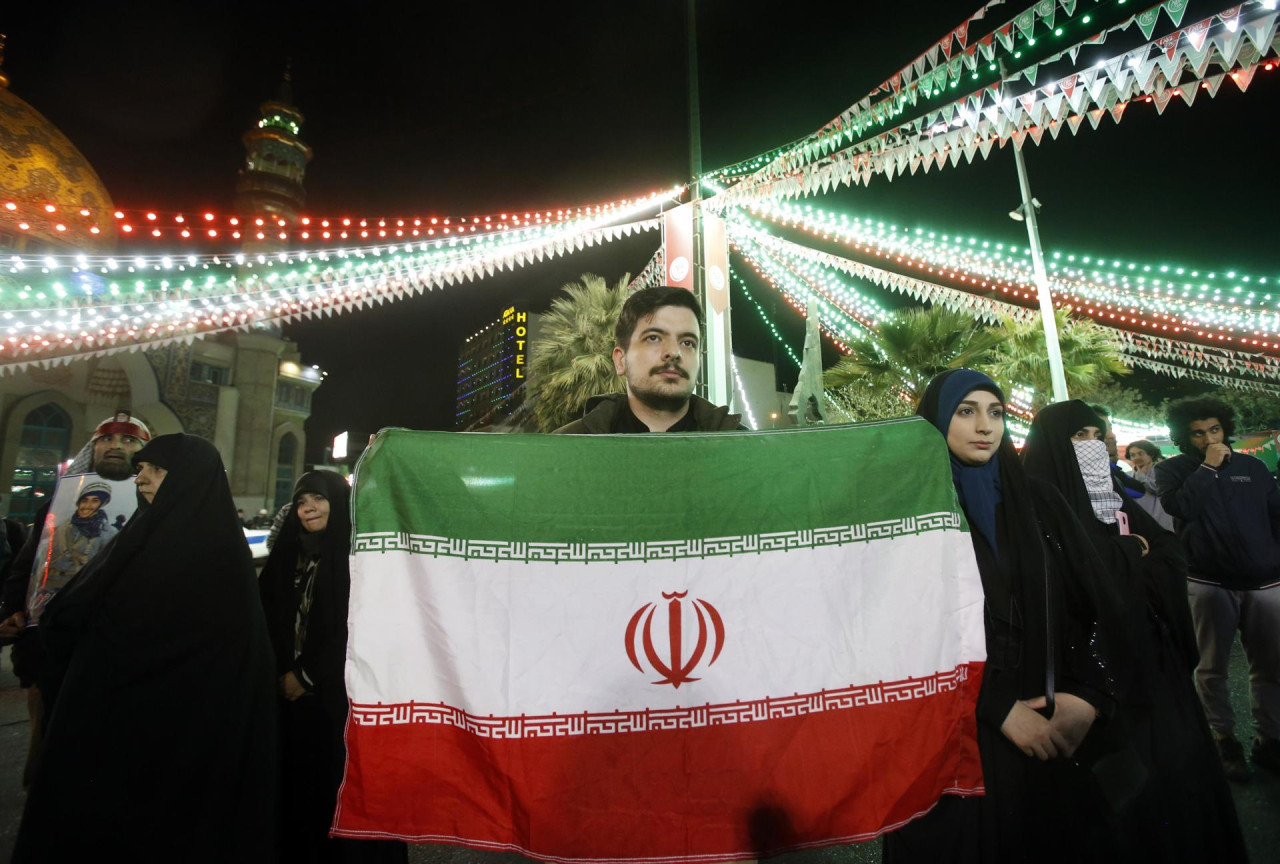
[644,303]
[1146,447]
[1102,411]
[1184,412]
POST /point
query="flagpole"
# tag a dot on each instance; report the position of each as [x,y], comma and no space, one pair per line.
[695,170]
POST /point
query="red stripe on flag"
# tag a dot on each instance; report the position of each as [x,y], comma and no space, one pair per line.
[713,793]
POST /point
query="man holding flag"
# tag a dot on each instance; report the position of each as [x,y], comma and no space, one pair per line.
[657,349]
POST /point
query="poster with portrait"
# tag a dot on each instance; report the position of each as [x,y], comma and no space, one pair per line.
[86,512]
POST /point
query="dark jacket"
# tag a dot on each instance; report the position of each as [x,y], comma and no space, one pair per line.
[601,412]
[13,596]
[1228,519]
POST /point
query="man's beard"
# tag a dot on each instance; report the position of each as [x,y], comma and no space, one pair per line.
[114,469]
[662,400]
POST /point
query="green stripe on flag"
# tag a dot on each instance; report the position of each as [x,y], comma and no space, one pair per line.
[615,489]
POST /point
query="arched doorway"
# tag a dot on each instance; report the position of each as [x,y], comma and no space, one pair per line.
[44,445]
[286,452]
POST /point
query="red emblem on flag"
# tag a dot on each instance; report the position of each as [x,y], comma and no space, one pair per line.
[675,670]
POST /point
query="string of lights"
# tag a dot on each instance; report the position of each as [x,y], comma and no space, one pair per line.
[43,336]
[211,228]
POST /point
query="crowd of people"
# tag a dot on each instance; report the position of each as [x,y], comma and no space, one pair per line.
[193,711]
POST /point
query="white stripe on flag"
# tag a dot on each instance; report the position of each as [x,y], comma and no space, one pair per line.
[505,639]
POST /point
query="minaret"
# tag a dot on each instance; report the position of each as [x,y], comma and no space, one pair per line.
[270,183]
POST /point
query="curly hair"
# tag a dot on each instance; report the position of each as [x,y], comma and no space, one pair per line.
[1184,412]
[1146,447]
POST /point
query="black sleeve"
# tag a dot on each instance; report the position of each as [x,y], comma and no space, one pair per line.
[1185,497]
[1092,622]
[13,597]
[324,653]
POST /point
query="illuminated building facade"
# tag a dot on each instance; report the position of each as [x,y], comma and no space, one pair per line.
[493,370]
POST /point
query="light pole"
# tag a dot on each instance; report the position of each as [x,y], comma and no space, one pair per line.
[1026,212]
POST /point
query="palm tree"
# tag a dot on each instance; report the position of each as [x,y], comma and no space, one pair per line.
[1090,356]
[908,350]
[571,361]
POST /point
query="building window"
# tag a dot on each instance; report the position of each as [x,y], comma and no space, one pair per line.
[46,439]
[285,455]
[293,396]
[210,374]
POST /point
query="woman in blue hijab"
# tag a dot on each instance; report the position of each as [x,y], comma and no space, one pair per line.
[1047,678]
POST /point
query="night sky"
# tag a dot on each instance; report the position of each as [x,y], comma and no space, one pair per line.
[469,108]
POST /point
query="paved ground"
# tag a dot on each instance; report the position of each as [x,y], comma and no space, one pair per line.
[1258,801]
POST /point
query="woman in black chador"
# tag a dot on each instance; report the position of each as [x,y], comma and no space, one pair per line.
[1048,672]
[1184,810]
[306,586]
[161,741]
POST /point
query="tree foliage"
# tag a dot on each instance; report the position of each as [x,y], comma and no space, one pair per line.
[908,350]
[855,402]
[889,370]
[571,360]
[1019,357]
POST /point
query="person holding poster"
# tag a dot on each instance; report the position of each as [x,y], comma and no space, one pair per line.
[107,454]
[1049,675]
[161,739]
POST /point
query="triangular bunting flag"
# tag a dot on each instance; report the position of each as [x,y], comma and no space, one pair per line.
[1036,133]
[1068,85]
[1198,61]
[1229,43]
[1146,20]
[1161,97]
[1095,117]
[1117,111]
[1030,74]
[1169,44]
[1242,77]
[1196,34]
[1230,18]
[932,54]
[1174,9]
[1213,82]
[1005,35]
[945,45]
[1026,22]
[1188,92]
[1044,11]
[1261,31]
[985,47]
[961,35]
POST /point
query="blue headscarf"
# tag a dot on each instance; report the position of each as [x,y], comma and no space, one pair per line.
[977,486]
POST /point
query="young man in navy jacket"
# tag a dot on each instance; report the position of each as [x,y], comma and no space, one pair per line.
[1226,508]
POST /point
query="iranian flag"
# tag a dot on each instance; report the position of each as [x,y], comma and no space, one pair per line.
[658,648]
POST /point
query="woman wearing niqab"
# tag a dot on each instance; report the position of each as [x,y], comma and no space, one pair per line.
[1048,675]
[161,742]
[1184,810]
[306,588]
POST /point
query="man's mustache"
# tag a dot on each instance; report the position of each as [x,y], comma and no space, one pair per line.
[669,367]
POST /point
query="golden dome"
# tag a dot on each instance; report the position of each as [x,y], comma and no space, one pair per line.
[40,168]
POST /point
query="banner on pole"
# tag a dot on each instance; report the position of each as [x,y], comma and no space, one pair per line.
[658,648]
[677,237]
